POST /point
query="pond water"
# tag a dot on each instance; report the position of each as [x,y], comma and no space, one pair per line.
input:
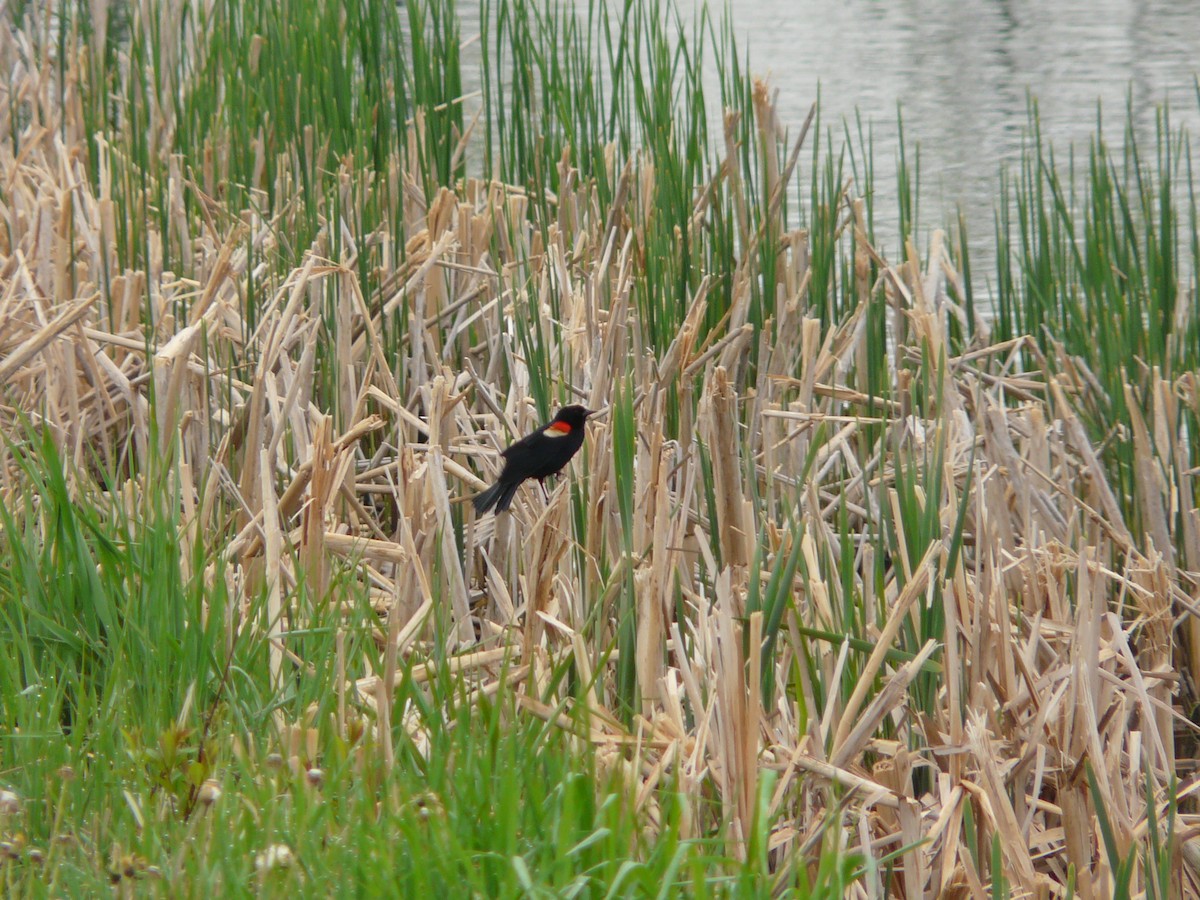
[961,72]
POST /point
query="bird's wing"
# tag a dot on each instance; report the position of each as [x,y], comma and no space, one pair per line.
[518,445]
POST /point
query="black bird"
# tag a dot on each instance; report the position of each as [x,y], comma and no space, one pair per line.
[539,455]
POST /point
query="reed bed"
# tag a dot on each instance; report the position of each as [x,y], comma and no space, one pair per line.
[851,591]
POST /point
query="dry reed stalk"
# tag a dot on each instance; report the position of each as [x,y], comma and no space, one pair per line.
[547,550]
[718,423]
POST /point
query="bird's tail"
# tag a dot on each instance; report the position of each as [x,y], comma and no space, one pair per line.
[499,495]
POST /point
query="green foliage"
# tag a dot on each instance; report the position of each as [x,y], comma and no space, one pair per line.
[1091,264]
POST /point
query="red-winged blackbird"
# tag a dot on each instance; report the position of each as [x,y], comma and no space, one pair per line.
[537,455]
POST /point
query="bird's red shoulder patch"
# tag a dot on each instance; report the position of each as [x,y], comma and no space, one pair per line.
[557,429]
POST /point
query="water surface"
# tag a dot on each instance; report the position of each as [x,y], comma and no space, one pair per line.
[961,72]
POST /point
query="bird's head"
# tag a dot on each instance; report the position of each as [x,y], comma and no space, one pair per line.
[572,417]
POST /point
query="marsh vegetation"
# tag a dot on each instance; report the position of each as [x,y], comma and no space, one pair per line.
[871,582]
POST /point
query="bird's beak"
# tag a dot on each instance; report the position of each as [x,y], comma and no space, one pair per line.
[596,413]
